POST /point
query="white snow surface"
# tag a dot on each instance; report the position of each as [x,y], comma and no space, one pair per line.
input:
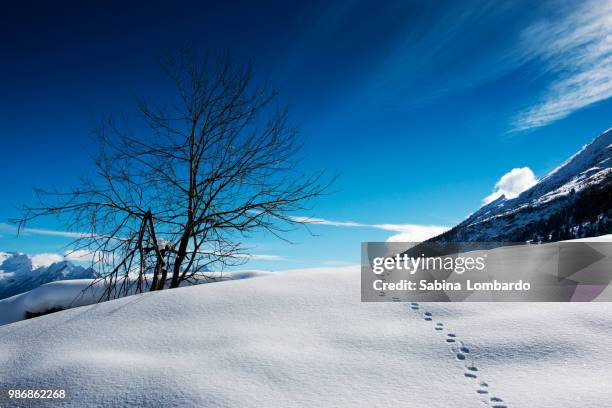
[67,294]
[61,294]
[302,338]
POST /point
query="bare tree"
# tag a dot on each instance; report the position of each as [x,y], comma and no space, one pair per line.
[179,192]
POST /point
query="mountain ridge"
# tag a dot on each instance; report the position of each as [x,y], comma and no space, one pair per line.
[572,201]
[18,274]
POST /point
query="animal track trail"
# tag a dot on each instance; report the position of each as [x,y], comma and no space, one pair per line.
[462,354]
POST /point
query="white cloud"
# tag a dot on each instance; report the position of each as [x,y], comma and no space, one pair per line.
[261,257]
[48,258]
[406,232]
[66,234]
[322,221]
[87,256]
[577,51]
[38,231]
[512,184]
[416,233]
[80,255]
[45,259]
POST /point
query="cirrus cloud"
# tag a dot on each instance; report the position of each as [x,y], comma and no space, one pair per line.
[404,232]
[575,50]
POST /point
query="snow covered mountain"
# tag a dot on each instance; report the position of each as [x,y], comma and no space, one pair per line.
[572,201]
[19,274]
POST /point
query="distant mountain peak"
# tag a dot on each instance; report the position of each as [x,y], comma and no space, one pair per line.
[18,274]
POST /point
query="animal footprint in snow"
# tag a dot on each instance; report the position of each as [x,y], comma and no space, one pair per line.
[470,371]
[483,388]
[414,306]
[495,401]
[462,352]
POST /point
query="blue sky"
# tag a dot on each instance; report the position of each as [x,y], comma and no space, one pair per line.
[420,106]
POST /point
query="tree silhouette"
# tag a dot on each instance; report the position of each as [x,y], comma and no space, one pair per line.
[178,193]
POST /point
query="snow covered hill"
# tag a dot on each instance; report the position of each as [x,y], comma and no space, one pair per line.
[304,339]
[20,273]
[573,201]
[70,293]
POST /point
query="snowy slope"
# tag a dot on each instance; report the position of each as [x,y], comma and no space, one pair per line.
[18,273]
[304,339]
[574,195]
[71,293]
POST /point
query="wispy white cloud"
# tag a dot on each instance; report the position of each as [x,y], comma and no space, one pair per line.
[82,255]
[405,232]
[576,50]
[37,231]
[512,184]
[261,257]
[85,256]
[55,233]
[322,221]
